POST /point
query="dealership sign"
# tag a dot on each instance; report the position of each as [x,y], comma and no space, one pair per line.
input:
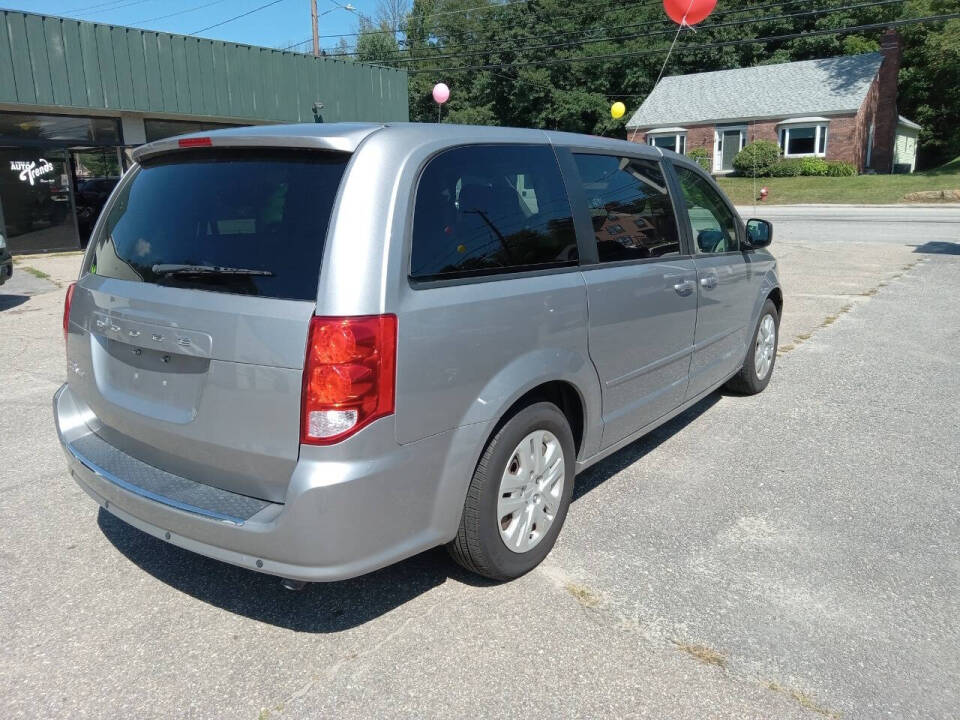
[30,170]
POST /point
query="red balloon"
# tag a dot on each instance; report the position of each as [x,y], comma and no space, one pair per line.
[690,12]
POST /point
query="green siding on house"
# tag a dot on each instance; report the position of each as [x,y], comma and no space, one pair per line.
[72,64]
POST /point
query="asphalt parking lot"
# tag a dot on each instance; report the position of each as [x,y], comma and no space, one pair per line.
[789,555]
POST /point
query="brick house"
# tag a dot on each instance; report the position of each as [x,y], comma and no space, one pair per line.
[842,108]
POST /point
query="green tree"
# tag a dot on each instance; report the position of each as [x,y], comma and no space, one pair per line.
[377,44]
[553,64]
[930,84]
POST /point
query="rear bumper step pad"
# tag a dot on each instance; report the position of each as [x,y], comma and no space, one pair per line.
[147,481]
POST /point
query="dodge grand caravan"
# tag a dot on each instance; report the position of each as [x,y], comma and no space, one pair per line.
[315,350]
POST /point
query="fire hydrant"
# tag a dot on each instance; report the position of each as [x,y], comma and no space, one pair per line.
[763,193]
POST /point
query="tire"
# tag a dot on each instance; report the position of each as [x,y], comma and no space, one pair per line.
[480,545]
[749,381]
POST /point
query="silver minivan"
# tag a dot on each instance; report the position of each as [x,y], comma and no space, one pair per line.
[315,350]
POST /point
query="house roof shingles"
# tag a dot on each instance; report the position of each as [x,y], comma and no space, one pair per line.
[808,87]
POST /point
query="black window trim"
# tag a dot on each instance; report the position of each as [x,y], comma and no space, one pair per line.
[681,203]
[470,277]
[525,271]
[586,237]
[125,179]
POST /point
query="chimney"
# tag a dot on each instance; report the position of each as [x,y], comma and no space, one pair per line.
[887,115]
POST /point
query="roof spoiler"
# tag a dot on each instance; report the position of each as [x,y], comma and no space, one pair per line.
[344,137]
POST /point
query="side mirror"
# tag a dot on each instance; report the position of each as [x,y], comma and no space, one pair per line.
[759,233]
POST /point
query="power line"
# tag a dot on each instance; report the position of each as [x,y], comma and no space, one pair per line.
[179,12]
[712,26]
[617,5]
[116,3]
[530,81]
[648,23]
[478,8]
[694,47]
[237,17]
[655,23]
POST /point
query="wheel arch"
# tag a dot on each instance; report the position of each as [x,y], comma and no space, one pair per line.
[562,393]
[776,295]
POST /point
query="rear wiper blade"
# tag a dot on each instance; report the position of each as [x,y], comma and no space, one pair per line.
[184,269]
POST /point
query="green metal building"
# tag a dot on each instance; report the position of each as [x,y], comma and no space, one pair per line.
[75,95]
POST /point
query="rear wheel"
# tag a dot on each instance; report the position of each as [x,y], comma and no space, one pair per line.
[518,496]
[757,368]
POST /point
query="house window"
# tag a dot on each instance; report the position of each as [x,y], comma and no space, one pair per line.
[675,140]
[803,140]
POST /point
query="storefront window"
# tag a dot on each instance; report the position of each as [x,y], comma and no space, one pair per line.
[65,129]
[96,173]
[35,192]
[56,172]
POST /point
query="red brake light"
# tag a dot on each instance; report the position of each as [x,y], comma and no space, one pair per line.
[67,301]
[349,376]
[195,142]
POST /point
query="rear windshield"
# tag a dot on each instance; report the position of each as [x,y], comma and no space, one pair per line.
[247,222]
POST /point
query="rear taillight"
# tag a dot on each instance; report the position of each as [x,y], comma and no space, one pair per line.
[67,302]
[348,376]
[194,142]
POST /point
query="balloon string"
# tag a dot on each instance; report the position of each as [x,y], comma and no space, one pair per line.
[683,21]
[664,66]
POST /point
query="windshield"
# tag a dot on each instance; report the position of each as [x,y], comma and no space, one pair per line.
[239,221]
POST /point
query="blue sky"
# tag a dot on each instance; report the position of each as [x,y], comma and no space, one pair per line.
[286,22]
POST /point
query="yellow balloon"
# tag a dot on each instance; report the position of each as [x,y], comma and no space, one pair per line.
[617,110]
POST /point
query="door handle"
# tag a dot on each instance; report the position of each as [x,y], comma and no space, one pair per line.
[685,288]
[709,282]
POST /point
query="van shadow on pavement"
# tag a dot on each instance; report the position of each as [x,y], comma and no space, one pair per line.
[337,606]
[938,247]
[11,301]
[624,458]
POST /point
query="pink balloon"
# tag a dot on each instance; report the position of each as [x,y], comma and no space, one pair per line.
[441,93]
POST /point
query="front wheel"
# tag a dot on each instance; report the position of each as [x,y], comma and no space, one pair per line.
[518,496]
[757,368]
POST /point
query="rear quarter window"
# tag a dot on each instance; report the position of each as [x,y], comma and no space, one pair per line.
[249,222]
[486,209]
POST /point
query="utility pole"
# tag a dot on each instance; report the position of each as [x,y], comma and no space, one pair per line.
[313,24]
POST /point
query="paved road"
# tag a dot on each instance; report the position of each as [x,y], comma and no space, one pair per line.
[930,228]
[792,555]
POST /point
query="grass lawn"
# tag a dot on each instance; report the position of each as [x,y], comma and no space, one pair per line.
[862,189]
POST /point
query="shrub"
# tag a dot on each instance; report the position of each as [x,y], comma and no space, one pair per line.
[701,157]
[813,166]
[838,168]
[789,167]
[756,159]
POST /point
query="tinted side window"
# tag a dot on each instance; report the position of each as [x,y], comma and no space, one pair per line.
[711,219]
[630,207]
[488,209]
